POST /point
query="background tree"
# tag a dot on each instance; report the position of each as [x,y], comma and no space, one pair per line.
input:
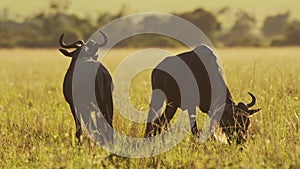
[275,25]
[204,20]
[292,34]
[241,33]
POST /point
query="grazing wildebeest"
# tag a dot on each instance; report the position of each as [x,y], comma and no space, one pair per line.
[235,118]
[103,81]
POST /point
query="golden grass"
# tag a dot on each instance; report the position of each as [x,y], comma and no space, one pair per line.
[37,129]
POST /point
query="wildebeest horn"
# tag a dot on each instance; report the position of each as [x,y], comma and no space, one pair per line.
[251,112]
[73,45]
[253,100]
[66,53]
[105,39]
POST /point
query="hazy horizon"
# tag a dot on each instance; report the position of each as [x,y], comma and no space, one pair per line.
[19,10]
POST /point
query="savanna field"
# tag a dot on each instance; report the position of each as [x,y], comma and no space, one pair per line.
[37,128]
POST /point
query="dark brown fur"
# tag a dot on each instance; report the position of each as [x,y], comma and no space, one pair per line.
[231,120]
[103,84]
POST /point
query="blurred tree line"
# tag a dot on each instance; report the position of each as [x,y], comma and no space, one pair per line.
[43,29]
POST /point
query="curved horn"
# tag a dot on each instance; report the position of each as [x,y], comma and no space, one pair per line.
[253,100]
[105,39]
[251,112]
[73,45]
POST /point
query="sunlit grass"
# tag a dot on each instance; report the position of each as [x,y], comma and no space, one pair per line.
[37,129]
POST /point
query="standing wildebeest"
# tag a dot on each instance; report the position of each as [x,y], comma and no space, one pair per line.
[103,81]
[235,117]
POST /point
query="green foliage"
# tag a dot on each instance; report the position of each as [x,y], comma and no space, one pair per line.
[293,33]
[149,40]
[290,37]
[204,20]
[43,29]
[275,25]
[241,33]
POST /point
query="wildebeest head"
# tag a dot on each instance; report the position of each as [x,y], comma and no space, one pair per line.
[90,48]
[236,120]
[77,45]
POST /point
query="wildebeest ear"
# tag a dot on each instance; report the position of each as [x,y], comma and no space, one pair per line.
[66,53]
[251,112]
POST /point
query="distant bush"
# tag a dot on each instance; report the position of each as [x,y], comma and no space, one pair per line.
[293,33]
[43,29]
[204,20]
[291,36]
[241,33]
[275,25]
[149,40]
[7,39]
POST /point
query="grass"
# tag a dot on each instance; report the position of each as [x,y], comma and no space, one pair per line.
[37,129]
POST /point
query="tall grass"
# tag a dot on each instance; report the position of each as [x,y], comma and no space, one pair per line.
[37,129]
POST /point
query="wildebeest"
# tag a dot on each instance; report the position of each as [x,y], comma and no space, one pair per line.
[103,80]
[235,118]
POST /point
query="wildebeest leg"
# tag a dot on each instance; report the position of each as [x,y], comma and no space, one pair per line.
[157,101]
[165,118]
[77,124]
[105,103]
[192,117]
[109,112]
